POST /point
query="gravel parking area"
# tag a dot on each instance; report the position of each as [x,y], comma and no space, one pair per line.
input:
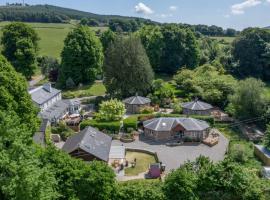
[173,157]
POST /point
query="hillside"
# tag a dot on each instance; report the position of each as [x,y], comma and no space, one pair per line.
[52,14]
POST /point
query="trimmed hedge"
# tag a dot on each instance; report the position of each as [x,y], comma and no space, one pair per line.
[110,127]
[130,122]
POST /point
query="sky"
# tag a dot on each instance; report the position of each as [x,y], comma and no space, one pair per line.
[236,14]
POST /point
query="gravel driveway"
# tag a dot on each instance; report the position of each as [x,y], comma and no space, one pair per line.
[173,157]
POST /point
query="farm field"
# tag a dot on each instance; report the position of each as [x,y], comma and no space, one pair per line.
[52,36]
[226,39]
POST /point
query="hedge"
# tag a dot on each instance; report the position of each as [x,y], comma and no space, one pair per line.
[110,127]
[130,122]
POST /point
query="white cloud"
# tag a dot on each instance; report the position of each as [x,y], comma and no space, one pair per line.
[143,9]
[174,8]
[238,9]
[226,16]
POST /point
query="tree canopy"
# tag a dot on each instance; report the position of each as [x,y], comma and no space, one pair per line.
[127,69]
[82,57]
[251,52]
[248,99]
[14,96]
[170,47]
[20,46]
[207,82]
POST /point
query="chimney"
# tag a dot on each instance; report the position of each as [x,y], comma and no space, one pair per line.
[47,87]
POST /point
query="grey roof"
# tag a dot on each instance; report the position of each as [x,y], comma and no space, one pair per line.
[39,137]
[56,111]
[264,150]
[168,123]
[40,95]
[137,100]
[90,140]
[197,105]
[117,152]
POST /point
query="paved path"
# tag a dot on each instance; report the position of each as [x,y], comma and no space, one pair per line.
[173,157]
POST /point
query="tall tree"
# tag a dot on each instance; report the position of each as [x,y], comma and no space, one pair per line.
[14,95]
[107,38]
[20,46]
[82,57]
[249,51]
[248,99]
[127,69]
[152,40]
[181,49]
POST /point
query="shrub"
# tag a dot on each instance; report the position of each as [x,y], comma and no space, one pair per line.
[240,153]
[110,127]
[63,130]
[146,110]
[130,123]
[112,110]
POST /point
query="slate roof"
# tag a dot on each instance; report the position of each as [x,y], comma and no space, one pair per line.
[56,111]
[168,123]
[197,105]
[137,100]
[90,140]
[40,95]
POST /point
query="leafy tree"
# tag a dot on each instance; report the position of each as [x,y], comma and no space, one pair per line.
[181,184]
[181,49]
[209,50]
[162,93]
[152,40]
[240,153]
[22,174]
[77,179]
[249,50]
[207,82]
[20,45]
[14,96]
[107,38]
[82,57]
[112,110]
[248,99]
[139,190]
[127,69]
[48,65]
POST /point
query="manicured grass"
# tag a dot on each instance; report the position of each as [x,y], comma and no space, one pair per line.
[142,163]
[52,36]
[97,89]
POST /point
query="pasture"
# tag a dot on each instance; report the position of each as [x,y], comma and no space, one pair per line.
[52,36]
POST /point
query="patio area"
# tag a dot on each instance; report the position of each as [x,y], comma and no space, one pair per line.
[173,157]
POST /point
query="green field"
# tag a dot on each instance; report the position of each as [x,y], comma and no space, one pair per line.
[226,39]
[51,36]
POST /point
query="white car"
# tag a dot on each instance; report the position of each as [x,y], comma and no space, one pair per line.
[266,172]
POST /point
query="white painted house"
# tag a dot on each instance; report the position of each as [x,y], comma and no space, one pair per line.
[45,96]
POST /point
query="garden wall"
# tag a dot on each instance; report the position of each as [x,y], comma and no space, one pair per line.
[144,151]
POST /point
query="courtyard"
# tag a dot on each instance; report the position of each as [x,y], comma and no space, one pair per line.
[173,157]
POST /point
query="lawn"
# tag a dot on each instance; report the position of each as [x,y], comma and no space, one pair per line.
[97,89]
[143,162]
[52,36]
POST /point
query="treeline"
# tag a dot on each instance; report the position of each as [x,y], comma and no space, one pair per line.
[52,14]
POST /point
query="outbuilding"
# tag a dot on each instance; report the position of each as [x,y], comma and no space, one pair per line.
[197,107]
[169,128]
[136,103]
[88,145]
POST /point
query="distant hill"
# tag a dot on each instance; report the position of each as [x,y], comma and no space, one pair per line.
[268,27]
[53,14]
